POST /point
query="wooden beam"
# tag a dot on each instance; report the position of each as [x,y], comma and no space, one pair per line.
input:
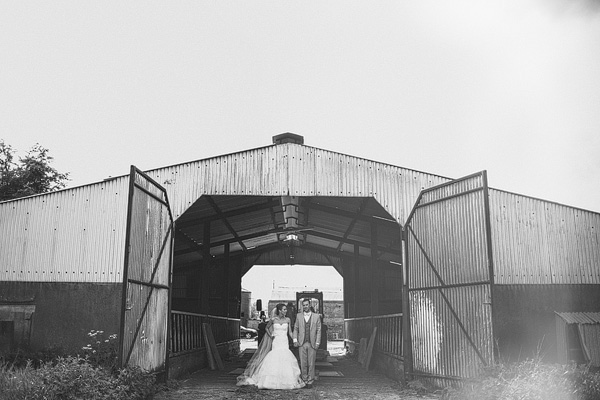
[204,273]
[193,245]
[231,213]
[232,240]
[356,285]
[375,289]
[361,209]
[227,267]
[352,241]
[352,215]
[335,238]
[215,207]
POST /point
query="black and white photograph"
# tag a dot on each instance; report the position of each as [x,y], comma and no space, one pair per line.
[260,200]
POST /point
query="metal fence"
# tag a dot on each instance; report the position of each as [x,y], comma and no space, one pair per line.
[187,333]
[389,332]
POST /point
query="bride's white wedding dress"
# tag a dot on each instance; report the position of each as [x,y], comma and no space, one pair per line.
[279,369]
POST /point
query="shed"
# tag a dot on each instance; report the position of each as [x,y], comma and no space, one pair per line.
[578,337]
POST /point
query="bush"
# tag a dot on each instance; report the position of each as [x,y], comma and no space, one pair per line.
[587,383]
[530,380]
[94,375]
[73,378]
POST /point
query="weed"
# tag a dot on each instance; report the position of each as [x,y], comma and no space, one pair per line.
[101,350]
[94,375]
[531,380]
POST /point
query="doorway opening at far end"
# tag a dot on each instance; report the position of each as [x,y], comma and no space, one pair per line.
[264,286]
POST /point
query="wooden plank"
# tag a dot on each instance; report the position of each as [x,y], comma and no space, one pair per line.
[362,349]
[209,352]
[216,353]
[370,348]
[213,346]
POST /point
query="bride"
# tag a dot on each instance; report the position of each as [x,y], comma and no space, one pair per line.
[274,366]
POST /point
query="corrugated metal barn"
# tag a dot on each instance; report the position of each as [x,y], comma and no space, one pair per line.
[445,268]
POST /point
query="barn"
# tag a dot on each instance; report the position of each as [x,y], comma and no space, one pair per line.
[453,273]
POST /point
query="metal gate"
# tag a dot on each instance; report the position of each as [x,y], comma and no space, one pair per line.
[147,272]
[449,275]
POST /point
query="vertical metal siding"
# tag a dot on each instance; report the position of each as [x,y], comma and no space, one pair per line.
[260,172]
[78,234]
[440,347]
[148,348]
[316,172]
[74,235]
[453,232]
[539,242]
[149,243]
[148,268]
[449,280]
[295,170]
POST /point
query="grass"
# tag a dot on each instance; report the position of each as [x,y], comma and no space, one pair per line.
[530,380]
[73,378]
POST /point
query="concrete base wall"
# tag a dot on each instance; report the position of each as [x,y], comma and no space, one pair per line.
[185,363]
[62,313]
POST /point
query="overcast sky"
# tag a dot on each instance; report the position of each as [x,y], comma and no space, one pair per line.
[448,88]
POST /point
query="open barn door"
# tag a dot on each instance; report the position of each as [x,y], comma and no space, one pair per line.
[449,275]
[146,291]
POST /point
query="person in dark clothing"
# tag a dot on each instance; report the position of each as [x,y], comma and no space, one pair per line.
[262,328]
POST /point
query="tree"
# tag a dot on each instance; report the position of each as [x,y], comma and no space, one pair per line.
[31,175]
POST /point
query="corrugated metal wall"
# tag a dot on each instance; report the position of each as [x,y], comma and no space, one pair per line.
[145,315]
[78,235]
[440,346]
[449,281]
[74,235]
[295,170]
[453,234]
[539,242]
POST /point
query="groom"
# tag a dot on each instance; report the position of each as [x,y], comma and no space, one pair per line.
[307,336]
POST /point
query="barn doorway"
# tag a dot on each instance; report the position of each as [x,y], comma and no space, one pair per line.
[264,286]
[220,239]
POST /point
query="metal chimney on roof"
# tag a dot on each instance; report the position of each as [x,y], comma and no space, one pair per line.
[288,138]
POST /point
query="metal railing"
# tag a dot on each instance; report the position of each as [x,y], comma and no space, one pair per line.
[187,333]
[389,332]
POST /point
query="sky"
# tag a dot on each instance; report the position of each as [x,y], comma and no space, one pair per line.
[448,88]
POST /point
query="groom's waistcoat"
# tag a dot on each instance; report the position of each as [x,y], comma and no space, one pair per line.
[307,329]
